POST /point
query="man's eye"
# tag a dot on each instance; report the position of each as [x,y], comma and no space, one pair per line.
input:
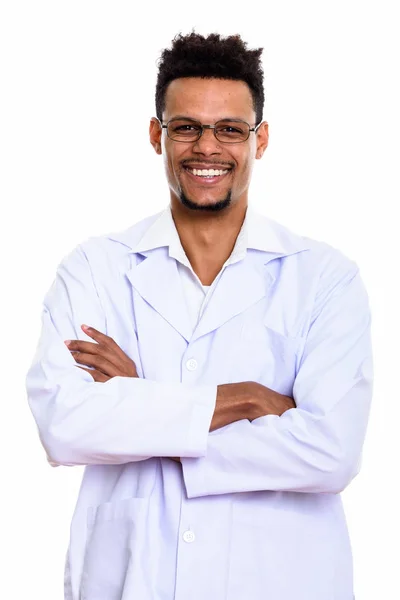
[229,129]
[185,128]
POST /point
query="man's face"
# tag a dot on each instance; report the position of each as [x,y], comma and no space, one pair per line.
[208,101]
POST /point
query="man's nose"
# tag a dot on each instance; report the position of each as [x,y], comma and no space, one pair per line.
[207,143]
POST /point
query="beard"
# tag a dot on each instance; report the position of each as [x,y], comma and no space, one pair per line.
[212,207]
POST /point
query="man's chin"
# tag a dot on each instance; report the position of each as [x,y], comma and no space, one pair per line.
[213,206]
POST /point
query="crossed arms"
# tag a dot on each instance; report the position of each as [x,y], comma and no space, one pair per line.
[229,438]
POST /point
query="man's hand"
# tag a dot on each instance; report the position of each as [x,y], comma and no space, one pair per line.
[247,400]
[106,356]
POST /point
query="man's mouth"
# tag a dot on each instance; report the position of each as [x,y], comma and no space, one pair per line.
[207,175]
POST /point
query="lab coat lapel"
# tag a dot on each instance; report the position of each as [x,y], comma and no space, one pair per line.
[157,280]
[241,285]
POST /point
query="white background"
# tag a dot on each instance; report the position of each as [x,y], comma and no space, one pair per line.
[77,94]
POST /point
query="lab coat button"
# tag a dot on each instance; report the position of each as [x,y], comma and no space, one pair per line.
[189,536]
[191,364]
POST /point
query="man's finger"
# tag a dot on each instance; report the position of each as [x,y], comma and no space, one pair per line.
[97,335]
[80,346]
[91,348]
[104,339]
[98,376]
[97,361]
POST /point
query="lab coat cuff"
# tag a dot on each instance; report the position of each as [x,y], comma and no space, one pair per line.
[203,411]
[194,477]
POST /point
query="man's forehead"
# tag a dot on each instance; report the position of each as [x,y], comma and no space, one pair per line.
[199,97]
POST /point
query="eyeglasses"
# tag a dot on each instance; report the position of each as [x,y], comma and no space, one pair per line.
[227,131]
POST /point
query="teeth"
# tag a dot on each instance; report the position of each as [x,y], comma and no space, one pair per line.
[208,172]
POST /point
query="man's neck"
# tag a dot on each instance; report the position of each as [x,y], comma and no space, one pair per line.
[208,238]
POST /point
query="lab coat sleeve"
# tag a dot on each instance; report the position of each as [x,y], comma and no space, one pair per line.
[82,422]
[315,447]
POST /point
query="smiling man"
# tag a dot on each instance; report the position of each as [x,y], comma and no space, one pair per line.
[210,368]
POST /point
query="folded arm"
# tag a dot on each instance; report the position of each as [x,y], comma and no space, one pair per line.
[124,419]
[315,447]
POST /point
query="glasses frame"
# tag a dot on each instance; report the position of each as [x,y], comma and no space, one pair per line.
[203,127]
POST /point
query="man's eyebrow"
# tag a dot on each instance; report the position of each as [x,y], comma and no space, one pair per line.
[216,121]
[183,117]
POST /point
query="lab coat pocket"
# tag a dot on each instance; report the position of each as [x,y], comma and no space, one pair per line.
[115,533]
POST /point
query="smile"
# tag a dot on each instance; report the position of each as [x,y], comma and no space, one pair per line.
[207,175]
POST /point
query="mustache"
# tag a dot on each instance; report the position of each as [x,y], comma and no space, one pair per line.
[188,163]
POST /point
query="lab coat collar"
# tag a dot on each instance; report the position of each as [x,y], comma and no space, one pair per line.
[241,284]
[263,234]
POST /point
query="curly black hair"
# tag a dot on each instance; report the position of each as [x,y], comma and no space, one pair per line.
[214,57]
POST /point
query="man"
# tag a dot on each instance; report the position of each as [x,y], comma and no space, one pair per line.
[220,395]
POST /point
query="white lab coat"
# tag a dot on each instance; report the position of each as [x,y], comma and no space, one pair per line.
[254,512]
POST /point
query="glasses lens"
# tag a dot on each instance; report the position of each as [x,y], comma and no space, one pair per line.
[184,130]
[232,131]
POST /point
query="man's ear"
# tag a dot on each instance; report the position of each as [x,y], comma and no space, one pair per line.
[155,132]
[262,139]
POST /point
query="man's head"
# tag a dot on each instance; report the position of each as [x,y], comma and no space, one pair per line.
[211,80]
